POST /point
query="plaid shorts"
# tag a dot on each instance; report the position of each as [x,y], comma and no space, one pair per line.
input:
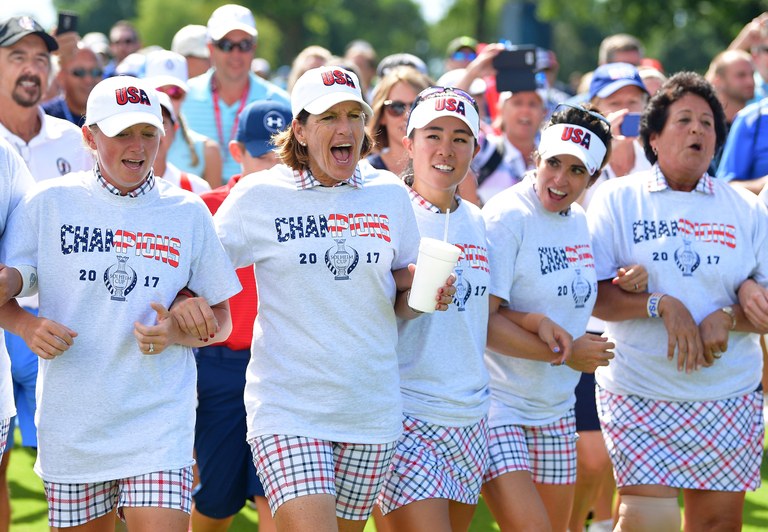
[76,504]
[436,462]
[5,428]
[293,466]
[703,445]
[547,451]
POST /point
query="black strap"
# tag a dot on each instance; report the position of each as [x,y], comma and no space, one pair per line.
[491,164]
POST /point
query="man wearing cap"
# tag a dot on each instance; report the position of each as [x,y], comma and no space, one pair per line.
[227,474]
[191,41]
[50,146]
[461,52]
[216,98]
[618,88]
[77,77]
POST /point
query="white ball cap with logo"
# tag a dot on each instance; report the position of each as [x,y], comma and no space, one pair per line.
[570,139]
[120,102]
[442,104]
[319,89]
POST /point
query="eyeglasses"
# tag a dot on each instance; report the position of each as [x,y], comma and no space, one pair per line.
[225,45]
[463,56]
[396,107]
[584,110]
[125,42]
[173,92]
[83,72]
[430,92]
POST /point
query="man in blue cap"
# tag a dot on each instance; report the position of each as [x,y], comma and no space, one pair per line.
[227,474]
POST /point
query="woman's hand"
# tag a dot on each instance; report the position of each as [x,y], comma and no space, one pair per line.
[590,351]
[714,330]
[153,339]
[558,339]
[753,299]
[46,338]
[682,334]
[195,317]
[632,279]
[10,283]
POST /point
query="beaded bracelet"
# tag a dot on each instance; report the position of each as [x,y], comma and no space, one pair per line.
[654,300]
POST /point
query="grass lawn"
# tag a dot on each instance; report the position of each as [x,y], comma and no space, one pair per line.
[29,510]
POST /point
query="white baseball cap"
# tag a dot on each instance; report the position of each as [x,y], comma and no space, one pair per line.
[319,89]
[444,103]
[570,139]
[164,67]
[230,17]
[120,102]
[191,40]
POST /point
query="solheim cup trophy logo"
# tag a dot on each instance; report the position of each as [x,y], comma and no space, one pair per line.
[120,279]
[463,290]
[580,289]
[341,262]
[686,259]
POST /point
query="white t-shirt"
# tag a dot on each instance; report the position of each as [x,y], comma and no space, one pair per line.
[323,360]
[540,262]
[698,247]
[57,149]
[173,175]
[442,375]
[105,410]
[15,181]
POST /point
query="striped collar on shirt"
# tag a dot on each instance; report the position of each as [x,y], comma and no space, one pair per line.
[144,188]
[423,202]
[657,182]
[305,179]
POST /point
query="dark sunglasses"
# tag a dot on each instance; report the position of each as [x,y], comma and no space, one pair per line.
[173,92]
[125,41]
[430,92]
[396,107]
[225,45]
[83,72]
[463,56]
[583,110]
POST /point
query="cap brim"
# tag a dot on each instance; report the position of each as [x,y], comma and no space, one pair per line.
[115,124]
[421,118]
[257,148]
[619,84]
[165,80]
[323,103]
[219,33]
[50,42]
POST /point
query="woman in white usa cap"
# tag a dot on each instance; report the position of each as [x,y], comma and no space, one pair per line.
[110,251]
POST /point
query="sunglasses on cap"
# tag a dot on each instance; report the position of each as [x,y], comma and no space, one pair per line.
[226,45]
[583,110]
[173,92]
[463,56]
[83,72]
[396,107]
[431,92]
